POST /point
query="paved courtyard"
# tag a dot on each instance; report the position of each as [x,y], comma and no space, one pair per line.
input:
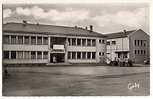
[77,81]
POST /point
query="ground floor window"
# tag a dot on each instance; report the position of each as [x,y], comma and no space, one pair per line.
[20,55]
[33,55]
[93,55]
[39,55]
[27,55]
[73,55]
[45,56]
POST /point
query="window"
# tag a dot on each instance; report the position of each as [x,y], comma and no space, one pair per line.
[83,42]
[103,41]
[79,42]
[78,55]
[73,55]
[6,39]
[138,42]
[108,43]
[88,42]
[6,55]
[88,55]
[33,40]
[144,52]
[135,51]
[99,53]
[45,55]
[113,42]
[26,55]
[26,40]
[138,52]
[73,41]
[13,55]
[33,55]
[39,55]
[39,40]
[83,55]
[20,39]
[13,39]
[93,42]
[103,53]
[45,40]
[69,40]
[141,42]
[69,55]
[20,55]
[99,41]
[93,55]
[141,52]
[135,42]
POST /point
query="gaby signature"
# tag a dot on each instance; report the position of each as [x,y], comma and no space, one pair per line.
[133,85]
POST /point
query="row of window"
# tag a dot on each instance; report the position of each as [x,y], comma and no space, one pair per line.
[140,43]
[81,42]
[112,42]
[102,41]
[81,55]
[25,55]
[33,40]
[140,52]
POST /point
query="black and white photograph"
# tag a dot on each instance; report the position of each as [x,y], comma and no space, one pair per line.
[76,49]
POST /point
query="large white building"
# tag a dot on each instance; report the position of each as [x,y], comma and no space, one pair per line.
[25,43]
[133,45]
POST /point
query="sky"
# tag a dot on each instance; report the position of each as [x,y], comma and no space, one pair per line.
[105,18]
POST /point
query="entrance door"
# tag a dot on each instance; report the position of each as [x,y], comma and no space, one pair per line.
[57,57]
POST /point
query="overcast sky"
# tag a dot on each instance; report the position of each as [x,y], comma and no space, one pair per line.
[105,18]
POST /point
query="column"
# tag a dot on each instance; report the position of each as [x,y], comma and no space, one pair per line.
[76,55]
[16,39]
[36,40]
[66,52]
[81,55]
[86,55]
[30,40]
[81,41]
[76,41]
[36,54]
[9,39]
[86,42]
[42,40]
[42,53]
[9,54]
[23,39]
[90,55]
[49,49]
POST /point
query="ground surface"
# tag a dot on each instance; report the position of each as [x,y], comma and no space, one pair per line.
[76,81]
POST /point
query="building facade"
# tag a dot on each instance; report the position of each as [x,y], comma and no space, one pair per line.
[132,45]
[25,43]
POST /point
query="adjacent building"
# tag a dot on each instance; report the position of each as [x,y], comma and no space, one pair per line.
[133,45]
[25,43]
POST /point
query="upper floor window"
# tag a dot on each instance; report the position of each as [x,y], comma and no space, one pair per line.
[33,40]
[93,55]
[20,39]
[13,55]
[88,42]
[113,42]
[45,40]
[78,55]
[83,55]
[103,41]
[13,39]
[108,43]
[73,41]
[79,42]
[6,39]
[93,42]
[83,42]
[26,40]
[39,40]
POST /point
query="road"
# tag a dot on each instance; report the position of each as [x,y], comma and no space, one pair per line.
[32,83]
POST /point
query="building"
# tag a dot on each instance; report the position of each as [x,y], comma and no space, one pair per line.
[133,45]
[25,43]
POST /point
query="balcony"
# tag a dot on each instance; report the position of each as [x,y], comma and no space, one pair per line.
[57,48]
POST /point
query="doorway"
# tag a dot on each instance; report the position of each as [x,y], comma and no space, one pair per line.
[57,57]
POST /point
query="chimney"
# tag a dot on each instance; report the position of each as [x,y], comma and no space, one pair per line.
[91,28]
[124,31]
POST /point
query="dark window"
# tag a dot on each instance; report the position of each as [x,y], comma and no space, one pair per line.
[103,41]
[73,55]
[83,55]
[141,52]
[93,42]
[69,55]
[138,52]
[88,42]
[138,42]
[99,53]
[39,40]
[6,55]
[45,40]
[39,55]
[135,42]
[20,39]
[93,55]
[135,51]
[26,40]
[13,55]
[83,42]
[6,39]
[88,55]
[108,43]
[69,40]
[144,52]
[78,42]
[33,40]
[73,41]
[113,42]
[103,53]
[45,56]
[78,55]
[99,41]
[27,55]
[13,39]
[141,42]
[33,55]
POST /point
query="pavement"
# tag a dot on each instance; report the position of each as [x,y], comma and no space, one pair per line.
[89,70]
[77,81]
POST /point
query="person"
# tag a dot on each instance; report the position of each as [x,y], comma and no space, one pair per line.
[54,59]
